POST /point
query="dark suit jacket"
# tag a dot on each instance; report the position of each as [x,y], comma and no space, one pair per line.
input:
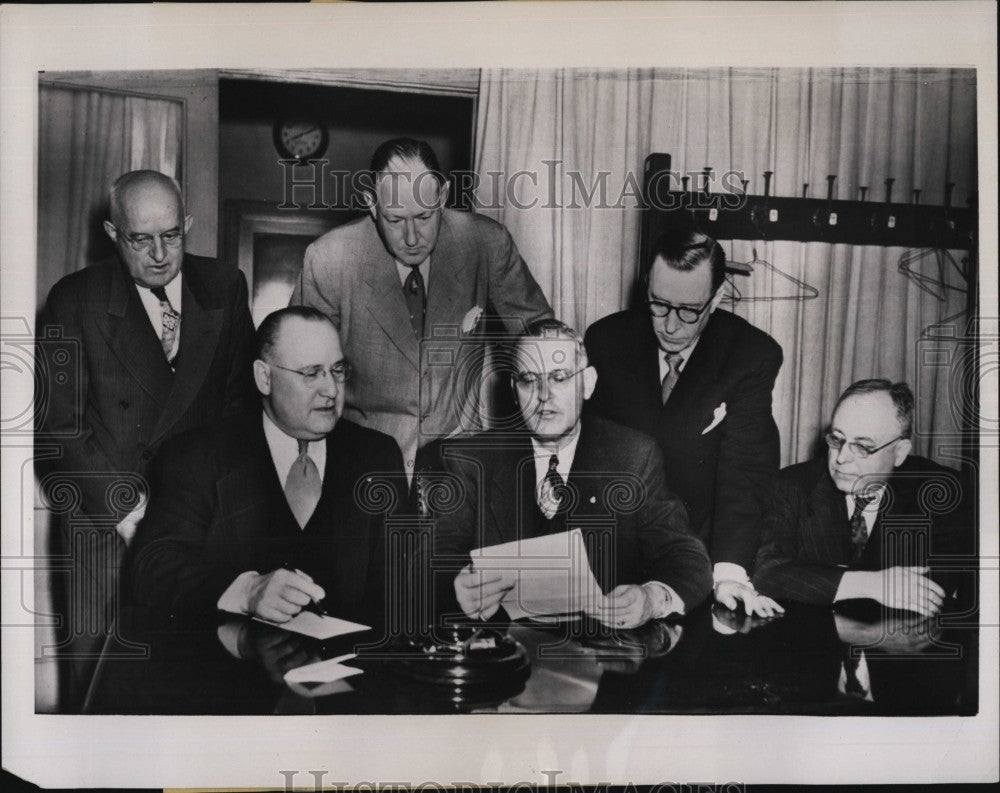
[218,510]
[617,479]
[720,474]
[119,400]
[806,547]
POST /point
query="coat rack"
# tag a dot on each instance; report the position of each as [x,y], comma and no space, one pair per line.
[733,214]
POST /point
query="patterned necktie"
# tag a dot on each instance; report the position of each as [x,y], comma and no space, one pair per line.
[550,489]
[303,486]
[673,360]
[171,321]
[859,530]
[416,300]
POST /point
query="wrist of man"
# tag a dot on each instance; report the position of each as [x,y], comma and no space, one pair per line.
[236,598]
[662,600]
[729,571]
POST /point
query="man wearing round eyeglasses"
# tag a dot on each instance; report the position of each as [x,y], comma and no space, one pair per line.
[262,515]
[699,380]
[145,345]
[865,521]
[559,471]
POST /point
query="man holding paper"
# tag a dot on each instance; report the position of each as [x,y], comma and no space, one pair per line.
[260,515]
[562,473]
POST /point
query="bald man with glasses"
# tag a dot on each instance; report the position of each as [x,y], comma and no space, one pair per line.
[159,341]
[870,520]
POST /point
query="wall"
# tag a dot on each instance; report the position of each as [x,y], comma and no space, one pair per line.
[357,121]
[199,90]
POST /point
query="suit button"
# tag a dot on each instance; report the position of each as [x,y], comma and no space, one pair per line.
[123,405]
[147,455]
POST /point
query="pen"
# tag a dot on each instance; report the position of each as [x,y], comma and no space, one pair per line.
[314,606]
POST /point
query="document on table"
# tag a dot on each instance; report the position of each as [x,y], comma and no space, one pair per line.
[323,671]
[549,575]
[317,626]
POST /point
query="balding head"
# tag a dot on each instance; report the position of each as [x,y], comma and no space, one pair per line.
[148,226]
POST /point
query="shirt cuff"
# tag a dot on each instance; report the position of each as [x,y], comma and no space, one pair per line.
[665,600]
[127,526]
[236,598]
[729,571]
[230,633]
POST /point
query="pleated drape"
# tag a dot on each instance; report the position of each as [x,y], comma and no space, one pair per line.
[864,125]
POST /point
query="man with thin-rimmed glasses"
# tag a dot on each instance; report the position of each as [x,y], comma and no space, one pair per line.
[262,515]
[133,351]
[699,380]
[869,519]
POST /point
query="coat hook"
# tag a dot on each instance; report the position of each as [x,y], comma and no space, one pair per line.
[767,183]
[864,193]
[888,190]
[948,188]
[805,189]
[706,172]
[916,197]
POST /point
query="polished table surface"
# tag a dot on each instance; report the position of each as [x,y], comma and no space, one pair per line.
[713,661]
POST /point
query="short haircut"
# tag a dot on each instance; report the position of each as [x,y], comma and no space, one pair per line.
[554,329]
[686,248]
[405,149]
[900,393]
[132,179]
[267,334]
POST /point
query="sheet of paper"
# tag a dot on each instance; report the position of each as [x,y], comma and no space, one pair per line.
[317,626]
[323,671]
[549,575]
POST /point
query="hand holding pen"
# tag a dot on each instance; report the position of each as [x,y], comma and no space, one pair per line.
[281,594]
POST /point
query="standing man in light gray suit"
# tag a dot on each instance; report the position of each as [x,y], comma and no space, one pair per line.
[406,288]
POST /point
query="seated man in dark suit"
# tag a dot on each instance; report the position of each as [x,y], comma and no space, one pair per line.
[699,381]
[259,515]
[863,521]
[561,472]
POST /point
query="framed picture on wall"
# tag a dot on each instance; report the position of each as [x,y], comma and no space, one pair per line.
[268,244]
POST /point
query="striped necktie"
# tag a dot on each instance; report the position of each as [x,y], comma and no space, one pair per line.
[171,322]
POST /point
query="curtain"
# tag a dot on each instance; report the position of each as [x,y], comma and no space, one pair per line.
[916,126]
[87,139]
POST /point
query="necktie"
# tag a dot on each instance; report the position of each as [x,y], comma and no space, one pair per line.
[853,683]
[171,322]
[303,486]
[416,300]
[673,360]
[550,490]
[859,531]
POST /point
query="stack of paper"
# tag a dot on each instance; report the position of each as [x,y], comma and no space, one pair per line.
[548,575]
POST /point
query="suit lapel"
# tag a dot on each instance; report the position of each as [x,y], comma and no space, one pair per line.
[704,365]
[444,287]
[646,369]
[512,494]
[132,339]
[201,328]
[385,301]
[831,522]
[251,480]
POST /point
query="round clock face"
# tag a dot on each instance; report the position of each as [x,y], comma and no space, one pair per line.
[300,140]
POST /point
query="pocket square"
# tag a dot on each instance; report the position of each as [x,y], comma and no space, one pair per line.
[471,319]
[717,417]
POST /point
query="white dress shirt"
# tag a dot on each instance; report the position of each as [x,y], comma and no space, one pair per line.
[284,451]
[665,600]
[155,311]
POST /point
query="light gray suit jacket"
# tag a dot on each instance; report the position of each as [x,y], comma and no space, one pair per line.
[419,390]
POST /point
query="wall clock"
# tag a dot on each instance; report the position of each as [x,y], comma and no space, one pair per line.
[301,140]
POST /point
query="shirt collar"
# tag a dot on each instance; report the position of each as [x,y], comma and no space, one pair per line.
[685,354]
[173,290]
[566,455]
[285,449]
[404,270]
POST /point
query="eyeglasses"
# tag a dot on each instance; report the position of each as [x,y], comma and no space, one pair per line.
[340,372]
[145,242]
[685,314]
[835,441]
[557,377]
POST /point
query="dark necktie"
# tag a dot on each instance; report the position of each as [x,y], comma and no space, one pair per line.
[416,300]
[859,531]
[303,485]
[673,360]
[171,321]
[550,491]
